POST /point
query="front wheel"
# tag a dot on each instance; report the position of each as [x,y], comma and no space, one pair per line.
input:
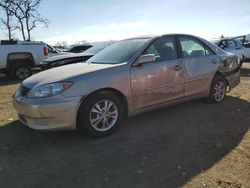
[217,90]
[101,114]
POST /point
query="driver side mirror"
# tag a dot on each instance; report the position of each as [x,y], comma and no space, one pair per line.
[148,58]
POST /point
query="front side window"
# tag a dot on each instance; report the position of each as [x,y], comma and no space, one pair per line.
[163,48]
[192,47]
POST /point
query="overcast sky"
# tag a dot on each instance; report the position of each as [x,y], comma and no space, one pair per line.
[98,20]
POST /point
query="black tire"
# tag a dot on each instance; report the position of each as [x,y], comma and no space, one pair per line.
[217,95]
[20,71]
[85,114]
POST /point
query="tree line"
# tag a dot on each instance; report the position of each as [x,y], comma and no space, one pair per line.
[21,15]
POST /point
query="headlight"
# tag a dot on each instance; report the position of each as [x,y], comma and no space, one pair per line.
[48,90]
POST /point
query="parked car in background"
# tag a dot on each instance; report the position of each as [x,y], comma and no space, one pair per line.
[18,57]
[233,46]
[53,51]
[71,58]
[79,48]
[245,41]
[127,78]
[61,48]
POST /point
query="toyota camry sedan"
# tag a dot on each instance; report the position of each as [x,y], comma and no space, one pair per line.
[129,77]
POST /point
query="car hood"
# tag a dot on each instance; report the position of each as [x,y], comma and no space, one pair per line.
[63,73]
[66,56]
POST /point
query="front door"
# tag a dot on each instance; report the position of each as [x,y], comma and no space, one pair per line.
[161,81]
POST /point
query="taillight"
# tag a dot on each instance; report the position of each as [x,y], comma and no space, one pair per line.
[46,51]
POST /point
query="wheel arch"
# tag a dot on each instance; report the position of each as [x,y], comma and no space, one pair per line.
[103,91]
[24,57]
[218,73]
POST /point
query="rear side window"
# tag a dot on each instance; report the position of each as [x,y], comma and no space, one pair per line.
[163,48]
[192,47]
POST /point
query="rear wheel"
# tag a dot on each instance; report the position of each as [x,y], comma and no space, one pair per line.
[101,114]
[20,71]
[217,90]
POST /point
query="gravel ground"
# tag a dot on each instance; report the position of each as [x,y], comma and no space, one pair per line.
[188,145]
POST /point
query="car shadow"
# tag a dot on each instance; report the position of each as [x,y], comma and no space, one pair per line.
[163,148]
[5,80]
[244,72]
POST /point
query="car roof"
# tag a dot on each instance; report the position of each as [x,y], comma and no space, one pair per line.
[141,37]
[160,35]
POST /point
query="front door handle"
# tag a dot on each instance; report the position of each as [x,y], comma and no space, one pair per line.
[177,67]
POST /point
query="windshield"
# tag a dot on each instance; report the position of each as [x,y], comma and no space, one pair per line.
[97,48]
[120,52]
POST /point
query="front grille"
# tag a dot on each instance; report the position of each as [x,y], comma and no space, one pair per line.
[24,91]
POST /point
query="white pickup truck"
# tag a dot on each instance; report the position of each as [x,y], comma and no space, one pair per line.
[18,57]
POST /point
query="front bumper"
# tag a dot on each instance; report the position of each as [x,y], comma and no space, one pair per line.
[54,113]
[233,79]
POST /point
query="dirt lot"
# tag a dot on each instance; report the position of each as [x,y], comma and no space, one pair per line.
[189,145]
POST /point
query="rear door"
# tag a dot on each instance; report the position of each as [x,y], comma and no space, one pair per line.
[200,65]
[161,81]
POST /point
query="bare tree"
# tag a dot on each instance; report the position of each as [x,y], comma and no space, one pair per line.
[7,22]
[81,42]
[222,36]
[18,11]
[27,15]
[32,16]
[62,44]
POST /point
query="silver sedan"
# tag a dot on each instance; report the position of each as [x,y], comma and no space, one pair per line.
[127,78]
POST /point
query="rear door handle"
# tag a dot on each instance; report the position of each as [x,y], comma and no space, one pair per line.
[177,67]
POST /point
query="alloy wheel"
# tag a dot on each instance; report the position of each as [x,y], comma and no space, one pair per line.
[103,115]
[219,91]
